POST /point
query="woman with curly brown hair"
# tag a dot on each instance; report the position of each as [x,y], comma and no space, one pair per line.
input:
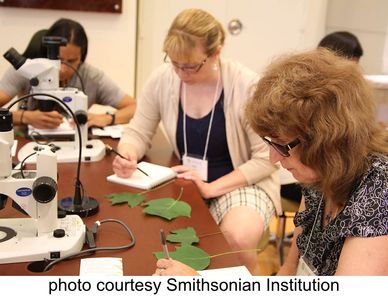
[327,136]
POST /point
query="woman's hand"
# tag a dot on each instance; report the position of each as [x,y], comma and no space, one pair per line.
[101,120]
[42,120]
[125,167]
[171,267]
[189,174]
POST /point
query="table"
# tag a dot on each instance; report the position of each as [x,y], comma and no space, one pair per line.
[138,260]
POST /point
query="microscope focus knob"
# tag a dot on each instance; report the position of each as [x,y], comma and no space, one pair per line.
[59,233]
[81,116]
[34,81]
[44,189]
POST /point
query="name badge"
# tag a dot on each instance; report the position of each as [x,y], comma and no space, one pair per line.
[197,164]
[304,269]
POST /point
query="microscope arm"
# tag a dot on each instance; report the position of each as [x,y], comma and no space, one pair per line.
[37,193]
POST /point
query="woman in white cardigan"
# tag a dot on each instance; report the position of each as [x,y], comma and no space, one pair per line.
[200,100]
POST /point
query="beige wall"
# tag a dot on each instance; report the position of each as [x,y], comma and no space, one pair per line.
[368,20]
[270,28]
[112,37]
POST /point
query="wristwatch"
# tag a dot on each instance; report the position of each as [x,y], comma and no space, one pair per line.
[113,118]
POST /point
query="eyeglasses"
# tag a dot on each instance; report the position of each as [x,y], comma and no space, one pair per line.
[282,149]
[188,68]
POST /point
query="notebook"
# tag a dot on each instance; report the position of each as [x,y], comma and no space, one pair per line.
[64,129]
[157,175]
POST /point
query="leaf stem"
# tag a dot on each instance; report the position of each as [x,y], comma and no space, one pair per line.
[176,200]
[226,253]
[157,187]
[210,234]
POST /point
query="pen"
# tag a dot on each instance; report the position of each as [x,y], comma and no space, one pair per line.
[164,244]
[117,153]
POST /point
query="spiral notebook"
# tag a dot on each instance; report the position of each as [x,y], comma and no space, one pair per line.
[157,175]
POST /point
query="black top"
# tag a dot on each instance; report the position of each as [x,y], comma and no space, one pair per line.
[219,161]
[364,215]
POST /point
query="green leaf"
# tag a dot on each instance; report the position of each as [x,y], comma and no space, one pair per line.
[186,236]
[190,255]
[167,208]
[130,198]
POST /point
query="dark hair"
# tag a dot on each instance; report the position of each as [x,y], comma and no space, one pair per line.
[73,32]
[343,43]
[35,48]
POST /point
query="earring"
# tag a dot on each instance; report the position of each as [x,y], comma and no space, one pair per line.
[215,67]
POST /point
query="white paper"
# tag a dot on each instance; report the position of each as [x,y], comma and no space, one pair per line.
[240,271]
[113,131]
[101,266]
[157,175]
[14,147]
[64,129]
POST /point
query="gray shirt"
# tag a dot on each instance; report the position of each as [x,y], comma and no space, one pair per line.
[99,88]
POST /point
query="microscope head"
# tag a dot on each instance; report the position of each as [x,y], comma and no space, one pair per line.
[43,73]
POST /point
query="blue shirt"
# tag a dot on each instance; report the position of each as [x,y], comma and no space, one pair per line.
[219,161]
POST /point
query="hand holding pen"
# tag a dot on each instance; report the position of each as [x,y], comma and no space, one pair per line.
[124,166]
[164,244]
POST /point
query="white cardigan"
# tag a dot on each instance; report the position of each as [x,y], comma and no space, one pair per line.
[160,102]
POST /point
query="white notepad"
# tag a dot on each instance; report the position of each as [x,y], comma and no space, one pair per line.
[101,266]
[65,128]
[157,175]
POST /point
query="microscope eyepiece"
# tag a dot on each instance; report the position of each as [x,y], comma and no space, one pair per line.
[15,58]
[52,44]
[5,120]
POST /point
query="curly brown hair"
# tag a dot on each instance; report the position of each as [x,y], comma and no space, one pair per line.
[323,100]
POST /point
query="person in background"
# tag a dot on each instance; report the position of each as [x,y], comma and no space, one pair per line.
[343,43]
[348,46]
[325,134]
[199,97]
[96,85]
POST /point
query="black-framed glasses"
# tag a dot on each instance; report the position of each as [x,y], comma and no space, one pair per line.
[282,149]
[188,68]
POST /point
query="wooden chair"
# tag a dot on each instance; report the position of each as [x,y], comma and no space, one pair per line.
[290,200]
[290,207]
[264,241]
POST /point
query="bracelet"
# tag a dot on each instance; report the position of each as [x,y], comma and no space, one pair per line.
[113,118]
[21,117]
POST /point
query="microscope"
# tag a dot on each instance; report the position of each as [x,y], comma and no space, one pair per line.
[43,235]
[43,74]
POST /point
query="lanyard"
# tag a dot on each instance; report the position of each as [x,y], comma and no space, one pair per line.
[312,229]
[211,117]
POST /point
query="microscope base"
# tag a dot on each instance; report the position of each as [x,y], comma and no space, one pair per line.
[87,207]
[94,150]
[26,246]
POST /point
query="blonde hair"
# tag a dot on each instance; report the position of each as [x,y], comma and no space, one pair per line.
[192,28]
[323,100]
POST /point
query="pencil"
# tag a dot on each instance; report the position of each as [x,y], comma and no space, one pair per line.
[117,153]
[164,244]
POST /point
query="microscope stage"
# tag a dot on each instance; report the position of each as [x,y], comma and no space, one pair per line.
[94,150]
[26,246]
